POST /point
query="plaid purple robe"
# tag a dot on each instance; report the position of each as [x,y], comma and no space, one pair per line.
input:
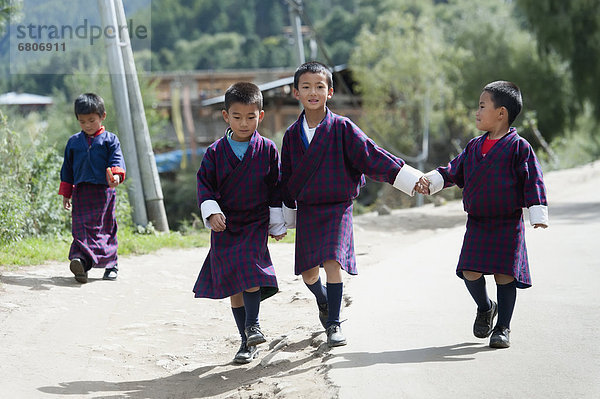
[323,180]
[239,258]
[495,190]
[94,225]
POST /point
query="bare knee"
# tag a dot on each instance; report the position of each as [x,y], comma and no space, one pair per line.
[333,270]
[237,300]
[502,279]
[311,276]
[471,276]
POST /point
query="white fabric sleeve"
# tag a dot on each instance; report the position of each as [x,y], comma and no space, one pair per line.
[276,221]
[207,208]
[289,216]
[437,181]
[538,214]
[406,179]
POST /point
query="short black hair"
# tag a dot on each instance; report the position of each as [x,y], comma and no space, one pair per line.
[243,92]
[313,67]
[89,103]
[506,94]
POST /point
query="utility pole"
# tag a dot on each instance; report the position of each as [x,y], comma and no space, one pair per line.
[295,8]
[425,144]
[119,89]
[148,171]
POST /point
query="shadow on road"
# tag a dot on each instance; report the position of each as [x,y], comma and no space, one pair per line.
[574,211]
[43,283]
[202,382]
[451,353]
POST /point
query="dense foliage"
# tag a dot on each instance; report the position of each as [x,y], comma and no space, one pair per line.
[29,204]
[423,66]
[572,30]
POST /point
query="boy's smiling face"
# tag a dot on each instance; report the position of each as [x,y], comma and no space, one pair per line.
[243,120]
[313,91]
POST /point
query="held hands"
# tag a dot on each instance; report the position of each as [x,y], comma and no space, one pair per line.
[422,186]
[217,222]
[279,237]
[112,180]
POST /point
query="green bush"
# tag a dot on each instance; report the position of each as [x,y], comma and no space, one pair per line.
[29,180]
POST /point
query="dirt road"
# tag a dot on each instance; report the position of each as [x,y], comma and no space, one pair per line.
[408,328]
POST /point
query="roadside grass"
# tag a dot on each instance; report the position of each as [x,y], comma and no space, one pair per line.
[38,250]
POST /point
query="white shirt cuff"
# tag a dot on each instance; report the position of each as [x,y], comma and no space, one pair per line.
[407,178]
[276,222]
[289,216]
[207,208]
[437,181]
[538,214]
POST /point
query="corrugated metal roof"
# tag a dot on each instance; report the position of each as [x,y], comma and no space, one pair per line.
[267,86]
[13,98]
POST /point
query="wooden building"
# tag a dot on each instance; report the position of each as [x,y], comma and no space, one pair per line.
[194,100]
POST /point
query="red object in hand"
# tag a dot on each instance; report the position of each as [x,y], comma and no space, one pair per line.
[110,175]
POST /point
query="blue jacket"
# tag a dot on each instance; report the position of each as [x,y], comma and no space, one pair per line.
[85,163]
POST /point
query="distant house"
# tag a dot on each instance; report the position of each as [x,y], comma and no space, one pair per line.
[26,102]
[194,99]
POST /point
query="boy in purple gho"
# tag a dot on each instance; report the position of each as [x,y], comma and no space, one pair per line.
[500,175]
[323,159]
[239,199]
[93,166]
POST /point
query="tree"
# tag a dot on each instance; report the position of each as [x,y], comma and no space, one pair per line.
[397,68]
[571,29]
[487,43]
[447,52]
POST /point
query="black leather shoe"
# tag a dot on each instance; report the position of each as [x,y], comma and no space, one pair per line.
[110,274]
[323,313]
[78,269]
[254,335]
[335,336]
[500,337]
[245,354]
[484,322]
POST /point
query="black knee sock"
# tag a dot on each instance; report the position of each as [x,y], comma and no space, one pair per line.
[252,305]
[239,314]
[478,292]
[507,297]
[334,301]
[319,291]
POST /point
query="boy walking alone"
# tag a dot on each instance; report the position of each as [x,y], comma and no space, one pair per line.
[93,166]
[499,174]
[323,159]
[239,201]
